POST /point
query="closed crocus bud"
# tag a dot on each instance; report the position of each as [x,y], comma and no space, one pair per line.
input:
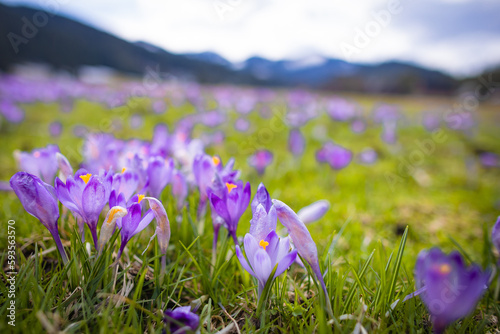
[261,197]
[303,242]
[314,211]
[162,227]
[39,200]
[108,227]
[65,169]
[451,290]
[263,222]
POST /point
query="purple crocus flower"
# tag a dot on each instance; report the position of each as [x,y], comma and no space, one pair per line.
[126,182]
[303,242]
[450,289]
[39,200]
[109,224]
[65,169]
[181,320]
[495,235]
[41,162]
[261,197]
[204,171]
[232,204]
[55,129]
[159,174]
[313,212]
[133,222]
[296,142]
[179,188]
[489,160]
[263,255]
[260,160]
[162,231]
[335,155]
[368,156]
[85,195]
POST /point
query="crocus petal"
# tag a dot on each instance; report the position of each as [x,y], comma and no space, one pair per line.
[314,211]
[148,218]
[65,198]
[108,227]
[65,169]
[243,261]
[262,266]
[162,223]
[261,197]
[285,262]
[93,201]
[220,207]
[302,239]
[251,247]
[262,222]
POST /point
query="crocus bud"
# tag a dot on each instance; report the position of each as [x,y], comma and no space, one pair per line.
[181,320]
[65,169]
[109,224]
[314,211]
[303,241]
[162,223]
[261,197]
[39,200]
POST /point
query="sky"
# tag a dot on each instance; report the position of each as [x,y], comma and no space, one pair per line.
[459,37]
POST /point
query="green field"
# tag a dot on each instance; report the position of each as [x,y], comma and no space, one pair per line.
[445,198]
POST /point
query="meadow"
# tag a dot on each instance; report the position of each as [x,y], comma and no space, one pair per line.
[426,188]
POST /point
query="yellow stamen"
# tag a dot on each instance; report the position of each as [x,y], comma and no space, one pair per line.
[263,244]
[86,178]
[216,160]
[444,268]
[112,214]
[123,170]
[140,198]
[230,187]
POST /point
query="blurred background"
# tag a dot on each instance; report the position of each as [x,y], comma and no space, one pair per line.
[380,46]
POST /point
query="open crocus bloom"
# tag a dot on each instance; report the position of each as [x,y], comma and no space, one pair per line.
[263,255]
[85,195]
[450,289]
[40,162]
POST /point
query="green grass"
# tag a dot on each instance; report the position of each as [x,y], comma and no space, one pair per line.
[367,242]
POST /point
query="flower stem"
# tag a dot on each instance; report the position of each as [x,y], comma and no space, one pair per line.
[60,247]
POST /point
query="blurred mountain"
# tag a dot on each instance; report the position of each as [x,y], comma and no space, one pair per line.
[66,44]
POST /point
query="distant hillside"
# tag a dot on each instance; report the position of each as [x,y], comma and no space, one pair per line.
[66,44]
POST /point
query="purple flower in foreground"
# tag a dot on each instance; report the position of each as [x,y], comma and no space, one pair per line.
[260,160]
[41,162]
[265,254]
[296,142]
[204,171]
[336,156]
[162,231]
[232,205]
[181,320]
[39,200]
[109,224]
[261,197]
[126,183]
[450,289]
[65,169]
[133,223]
[85,195]
[303,242]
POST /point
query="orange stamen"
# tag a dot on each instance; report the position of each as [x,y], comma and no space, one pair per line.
[263,244]
[230,187]
[86,178]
